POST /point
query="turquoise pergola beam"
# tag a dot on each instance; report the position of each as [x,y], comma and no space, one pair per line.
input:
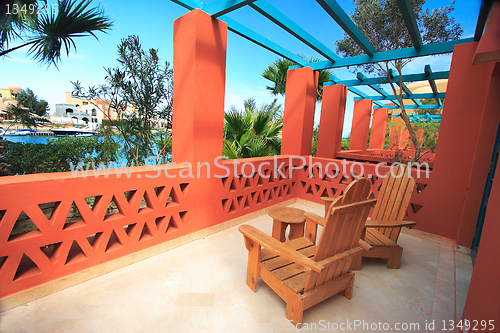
[247,33]
[261,40]
[410,52]
[345,22]
[384,79]
[432,83]
[423,106]
[221,7]
[355,91]
[273,14]
[411,22]
[411,96]
[381,91]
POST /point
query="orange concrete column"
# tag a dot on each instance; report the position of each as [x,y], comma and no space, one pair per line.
[466,139]
[331,122]
[300,103]
[379,128]
[360,124]
[199,84]
[398,130]
[484,293]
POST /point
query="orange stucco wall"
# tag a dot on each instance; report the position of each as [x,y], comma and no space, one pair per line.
[360,124]
[331,121]
[464,149]
[379,128]
[298,118]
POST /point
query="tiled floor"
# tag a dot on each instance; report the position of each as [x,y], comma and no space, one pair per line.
[200,287]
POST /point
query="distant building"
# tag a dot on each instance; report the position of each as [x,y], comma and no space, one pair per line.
[8,97]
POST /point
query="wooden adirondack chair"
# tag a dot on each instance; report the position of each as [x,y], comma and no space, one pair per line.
[383,229]
[303,274]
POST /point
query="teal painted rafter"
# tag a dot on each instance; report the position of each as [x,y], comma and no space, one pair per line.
[221,7]
[384,79]
[340,16]
[247,33]
[411,96]
[262,41]
[411,22]
[423,106]
[410,52]
[432,83]
[273,14]
[356,91]
[381,91]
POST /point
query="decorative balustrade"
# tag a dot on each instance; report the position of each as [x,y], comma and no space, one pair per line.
[54,225]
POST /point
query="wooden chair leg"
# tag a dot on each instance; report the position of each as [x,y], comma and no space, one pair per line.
[394,260]
[295,310]
[348,291]
[311,230]
[253,263]
[279,229]
[356,262]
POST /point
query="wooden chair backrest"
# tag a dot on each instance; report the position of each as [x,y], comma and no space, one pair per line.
[393,199]
[344,224]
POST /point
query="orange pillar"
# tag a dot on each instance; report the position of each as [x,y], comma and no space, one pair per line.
[379,128]
[466,139]
[331,122]
[300,103]
[198,111]
[199,85]
[360,124]
[484,291]
[488,49]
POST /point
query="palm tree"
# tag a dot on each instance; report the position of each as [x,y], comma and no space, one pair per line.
[276,73]
[254,131]
[44,31]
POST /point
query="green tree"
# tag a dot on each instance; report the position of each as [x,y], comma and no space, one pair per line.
[46,29]
[140,90]
[30,101]
[276,73]
[383,25]
[253,131]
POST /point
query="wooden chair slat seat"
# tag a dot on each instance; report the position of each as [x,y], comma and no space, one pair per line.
[302,273]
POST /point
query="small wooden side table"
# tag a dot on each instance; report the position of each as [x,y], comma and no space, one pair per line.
[284,216]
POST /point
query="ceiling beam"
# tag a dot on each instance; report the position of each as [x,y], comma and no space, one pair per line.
[273,14]
[221,7]
[411,22]
[432,83]
[254,37]
[345,22]
[384,79]
[410,52]
[423,106]
[355,91]
[381,91]
[411,96]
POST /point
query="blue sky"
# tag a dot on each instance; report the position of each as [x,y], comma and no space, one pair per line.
[153,20]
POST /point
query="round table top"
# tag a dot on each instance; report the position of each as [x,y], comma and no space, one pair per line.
[288,215]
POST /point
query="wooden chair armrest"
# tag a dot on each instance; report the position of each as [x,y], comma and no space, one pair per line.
[329,261]
[315,218]
[364,245]
[388,224]
[279,248]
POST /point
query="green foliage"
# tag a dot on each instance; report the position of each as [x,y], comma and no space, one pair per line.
[143,83]
[56,155]
[383,25]
[47,32]
[431,133]
[31,103]
[254,131]
[345,144]
[277,71]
